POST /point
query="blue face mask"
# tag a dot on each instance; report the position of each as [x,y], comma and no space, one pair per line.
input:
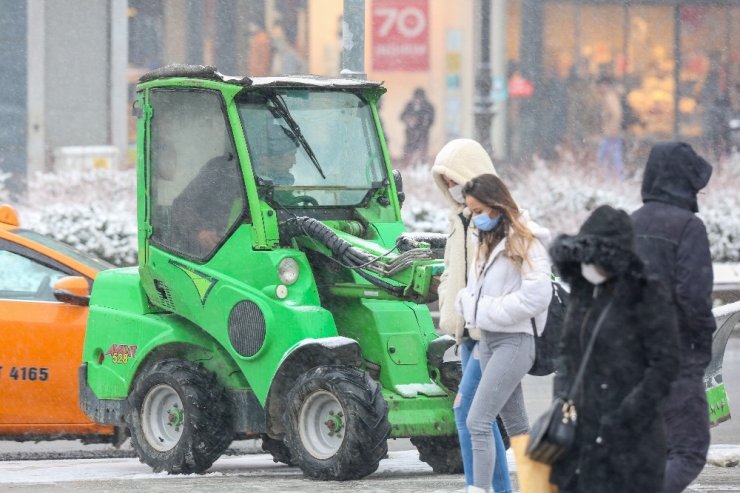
[484,222]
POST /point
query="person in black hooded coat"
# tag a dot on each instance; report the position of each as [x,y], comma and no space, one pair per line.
[619,443]
[674,245]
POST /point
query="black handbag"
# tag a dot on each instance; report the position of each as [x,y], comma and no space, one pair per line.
[554,432]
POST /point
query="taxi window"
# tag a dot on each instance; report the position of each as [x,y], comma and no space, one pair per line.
[24,279]
[64,249]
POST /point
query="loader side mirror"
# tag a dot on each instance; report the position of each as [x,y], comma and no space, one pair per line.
[73,290]
[398,179]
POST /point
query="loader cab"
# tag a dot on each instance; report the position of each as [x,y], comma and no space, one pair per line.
[223,161]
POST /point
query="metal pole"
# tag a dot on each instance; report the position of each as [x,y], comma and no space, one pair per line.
[36,100]
[483,106]
[118,82]
[677,57]
[353,40]
[498,67]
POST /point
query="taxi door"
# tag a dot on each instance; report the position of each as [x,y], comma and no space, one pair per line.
[40,342]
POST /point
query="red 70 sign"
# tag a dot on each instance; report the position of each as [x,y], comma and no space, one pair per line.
[400,35]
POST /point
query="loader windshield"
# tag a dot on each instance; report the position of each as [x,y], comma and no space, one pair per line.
[313,147]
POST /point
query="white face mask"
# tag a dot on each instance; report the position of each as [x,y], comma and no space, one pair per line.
[456,193]
[592,274]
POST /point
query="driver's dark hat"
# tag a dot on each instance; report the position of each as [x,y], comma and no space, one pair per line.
[279,141]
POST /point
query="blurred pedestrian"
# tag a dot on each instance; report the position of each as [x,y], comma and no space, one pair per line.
[713,97]
[583,108]
[458,162]
[285,58]
[508,289]
[259,54]
[673,242]
[418,116]
[554,114]
[611,148]
[620,443]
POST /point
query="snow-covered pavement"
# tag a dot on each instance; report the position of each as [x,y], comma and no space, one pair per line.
[401,470]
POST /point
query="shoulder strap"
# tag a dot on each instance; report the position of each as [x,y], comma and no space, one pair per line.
[555,294]
[465,223]
[587,354]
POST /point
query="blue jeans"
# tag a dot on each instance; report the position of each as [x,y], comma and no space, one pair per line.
[468,385]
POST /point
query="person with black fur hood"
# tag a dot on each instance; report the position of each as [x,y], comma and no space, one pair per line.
[674,245]
[620,442]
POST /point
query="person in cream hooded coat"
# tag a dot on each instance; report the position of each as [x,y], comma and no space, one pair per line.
[458,162]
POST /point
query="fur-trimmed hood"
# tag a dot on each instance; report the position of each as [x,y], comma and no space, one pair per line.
[605,239]
[460,160]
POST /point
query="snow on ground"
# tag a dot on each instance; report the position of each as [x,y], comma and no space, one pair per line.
[724,455]
[727,273]
[403,462]
[54,471]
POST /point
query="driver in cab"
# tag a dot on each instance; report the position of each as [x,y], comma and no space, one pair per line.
[277,158]
[214,199]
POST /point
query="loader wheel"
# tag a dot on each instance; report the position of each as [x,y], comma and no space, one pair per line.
[450,374]
[277,448]
[442,453]
[180,417]
[336,423]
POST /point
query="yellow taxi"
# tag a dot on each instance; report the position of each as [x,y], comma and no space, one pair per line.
[44,291]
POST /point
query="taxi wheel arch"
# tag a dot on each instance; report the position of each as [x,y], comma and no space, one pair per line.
[179,417]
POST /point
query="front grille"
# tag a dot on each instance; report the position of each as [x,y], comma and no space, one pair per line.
[246,328]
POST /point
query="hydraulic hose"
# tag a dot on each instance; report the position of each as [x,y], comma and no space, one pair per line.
[341,249]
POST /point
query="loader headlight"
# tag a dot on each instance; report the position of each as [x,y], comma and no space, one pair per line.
[288,270]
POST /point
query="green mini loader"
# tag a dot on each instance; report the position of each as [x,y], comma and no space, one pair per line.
[277,295]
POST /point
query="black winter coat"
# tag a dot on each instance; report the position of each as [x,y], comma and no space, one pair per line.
[620,443]
[673,242]
[207,202]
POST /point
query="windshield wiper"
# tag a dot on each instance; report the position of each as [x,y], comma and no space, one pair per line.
[282,109]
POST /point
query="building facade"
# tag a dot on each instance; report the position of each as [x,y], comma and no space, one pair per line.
[70,66]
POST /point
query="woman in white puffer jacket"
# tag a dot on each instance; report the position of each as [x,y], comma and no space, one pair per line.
[458,162]
[507,294]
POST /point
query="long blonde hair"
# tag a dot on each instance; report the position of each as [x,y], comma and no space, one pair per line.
[488,189]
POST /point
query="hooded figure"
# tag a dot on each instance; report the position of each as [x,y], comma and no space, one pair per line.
[620,443]
[674,245]
[460,161]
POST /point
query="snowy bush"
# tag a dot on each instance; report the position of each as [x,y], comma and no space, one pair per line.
[560,196]
[93,211]
[719,204]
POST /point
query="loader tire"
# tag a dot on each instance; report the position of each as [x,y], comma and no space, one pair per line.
[450,374]
[336,423]
[180,417]
[277,448]
[441,453]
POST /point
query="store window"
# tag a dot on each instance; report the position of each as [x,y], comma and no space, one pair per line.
[709,76]
[676,65]
[649,77]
